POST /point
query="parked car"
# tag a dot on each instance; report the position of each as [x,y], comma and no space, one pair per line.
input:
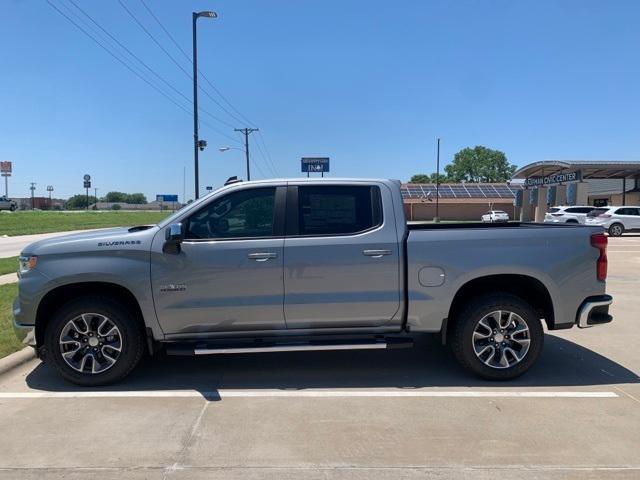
[616,220]
[495,216]
[7,204]
[567,214]
[319,264]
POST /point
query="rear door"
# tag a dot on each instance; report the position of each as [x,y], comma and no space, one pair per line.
[342,259]
[628,216]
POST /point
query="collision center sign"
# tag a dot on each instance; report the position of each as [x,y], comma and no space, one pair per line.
[554,179]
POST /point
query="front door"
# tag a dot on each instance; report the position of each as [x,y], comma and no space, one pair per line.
[228,275]
[342,262]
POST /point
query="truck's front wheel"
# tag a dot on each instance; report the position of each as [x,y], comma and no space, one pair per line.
[497,337]
[93,341]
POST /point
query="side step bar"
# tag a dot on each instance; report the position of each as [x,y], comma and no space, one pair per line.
[264,347]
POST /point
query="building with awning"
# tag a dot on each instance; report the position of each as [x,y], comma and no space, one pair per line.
[575,182]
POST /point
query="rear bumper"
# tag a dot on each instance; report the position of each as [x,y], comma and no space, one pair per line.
[594,311]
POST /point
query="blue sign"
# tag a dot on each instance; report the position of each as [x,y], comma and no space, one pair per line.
[315,164]
[166,198]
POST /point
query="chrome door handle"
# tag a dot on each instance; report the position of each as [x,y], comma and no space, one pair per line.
[376,253]
[262,256]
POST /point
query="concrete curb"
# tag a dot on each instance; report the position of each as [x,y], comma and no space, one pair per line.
[16,359]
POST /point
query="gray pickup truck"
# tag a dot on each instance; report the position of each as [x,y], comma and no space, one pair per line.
[286,265]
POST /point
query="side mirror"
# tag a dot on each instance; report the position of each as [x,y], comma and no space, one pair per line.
[173,236]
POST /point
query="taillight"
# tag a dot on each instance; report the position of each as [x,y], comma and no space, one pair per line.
[599,241]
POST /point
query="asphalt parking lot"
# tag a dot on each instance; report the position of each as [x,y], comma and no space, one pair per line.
[366,414]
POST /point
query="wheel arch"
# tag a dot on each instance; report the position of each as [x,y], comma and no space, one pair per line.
[528,288]
[60,295]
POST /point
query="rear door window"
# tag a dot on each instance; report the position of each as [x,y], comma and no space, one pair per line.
[627,211]
[338,210]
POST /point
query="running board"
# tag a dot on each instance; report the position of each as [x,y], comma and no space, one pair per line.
[264,347]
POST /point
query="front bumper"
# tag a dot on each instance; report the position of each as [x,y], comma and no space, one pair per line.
[25,333]
[594,311]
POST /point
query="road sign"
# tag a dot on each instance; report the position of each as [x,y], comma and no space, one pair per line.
[315,164]
[166,198]
[87,184]
[5,168]
[86,177]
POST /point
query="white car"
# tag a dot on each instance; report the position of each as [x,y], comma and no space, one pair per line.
[7,204]
[567,214]
[495,216]
[616,220]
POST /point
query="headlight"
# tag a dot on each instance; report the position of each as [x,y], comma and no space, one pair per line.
[26,263]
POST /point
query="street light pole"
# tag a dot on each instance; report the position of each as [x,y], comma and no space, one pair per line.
[196,142]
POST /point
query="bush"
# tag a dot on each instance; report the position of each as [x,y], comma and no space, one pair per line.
[116,207]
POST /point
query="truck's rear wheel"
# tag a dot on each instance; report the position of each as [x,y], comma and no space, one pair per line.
[497,337]
[93,341]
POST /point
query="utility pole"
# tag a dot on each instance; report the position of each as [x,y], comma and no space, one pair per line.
[246,132]
[33,189]
[197,143]
[437,219]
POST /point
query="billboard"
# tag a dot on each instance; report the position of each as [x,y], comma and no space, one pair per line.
[315,164]
[5,168]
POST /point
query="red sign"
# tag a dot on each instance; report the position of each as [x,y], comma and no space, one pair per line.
[5,167]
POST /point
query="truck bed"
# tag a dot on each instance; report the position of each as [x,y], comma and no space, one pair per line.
[443,257]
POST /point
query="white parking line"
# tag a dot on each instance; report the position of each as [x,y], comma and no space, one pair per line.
[308,394]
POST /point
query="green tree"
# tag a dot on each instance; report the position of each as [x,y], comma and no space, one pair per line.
[121,197]
[113,197]
[424,178]
[79,201]
[480,164]
[137,198]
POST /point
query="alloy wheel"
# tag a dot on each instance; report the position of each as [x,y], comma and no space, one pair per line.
[501,339]
[90,343]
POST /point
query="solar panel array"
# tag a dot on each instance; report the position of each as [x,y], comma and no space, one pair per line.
[459,190]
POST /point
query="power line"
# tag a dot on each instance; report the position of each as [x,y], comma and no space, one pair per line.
[117,58]
[173,40]
[135,72]
[264,158]
[124,47]
[150,35]
[264,144]
[267,159]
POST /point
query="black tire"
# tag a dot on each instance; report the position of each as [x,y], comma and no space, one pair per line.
[462,335]
[12,208]
[616,229]
[129,327]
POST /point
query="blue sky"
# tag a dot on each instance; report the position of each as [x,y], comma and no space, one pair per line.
[370,84]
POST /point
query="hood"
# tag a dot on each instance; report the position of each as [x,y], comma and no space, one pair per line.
[105,239]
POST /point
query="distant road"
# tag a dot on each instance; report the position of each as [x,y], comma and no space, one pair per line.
[12,246]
